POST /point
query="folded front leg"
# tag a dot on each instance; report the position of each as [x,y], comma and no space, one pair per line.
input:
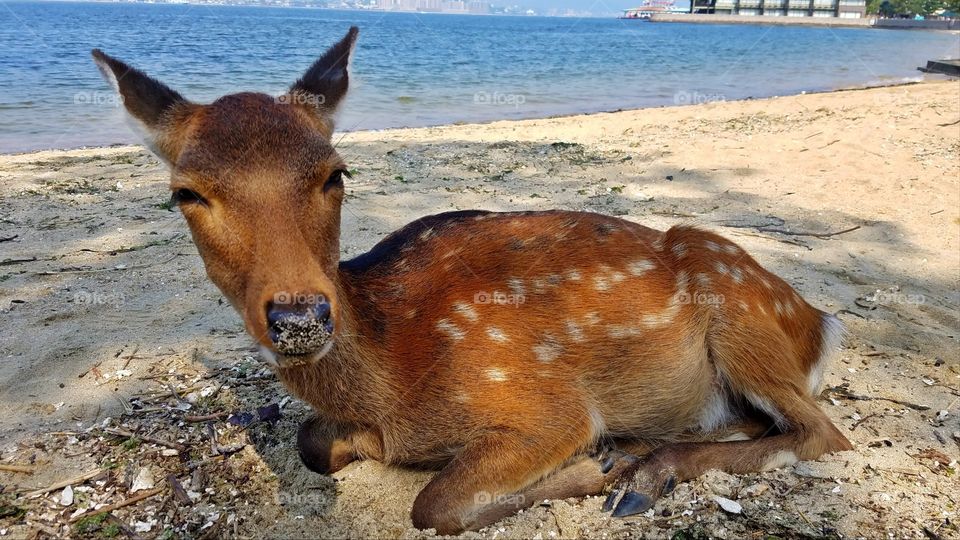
[485,481]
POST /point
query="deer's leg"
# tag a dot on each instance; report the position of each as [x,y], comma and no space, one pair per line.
[326,447]
[505,470]
[809,434]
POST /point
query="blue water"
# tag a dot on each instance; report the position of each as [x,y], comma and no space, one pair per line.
[417,69]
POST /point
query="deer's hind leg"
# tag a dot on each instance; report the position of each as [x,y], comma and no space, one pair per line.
[761,372]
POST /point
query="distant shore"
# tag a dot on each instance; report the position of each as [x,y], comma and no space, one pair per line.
[835,22]
[551,117]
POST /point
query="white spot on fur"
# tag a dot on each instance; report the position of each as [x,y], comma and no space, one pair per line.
[679,249]
[766,283]
[617,277]
[495,374]
[743,305]
[736,274]
[497,334]
[573,275]
[711,245]
[516,287]
[783,458]
[731,249]
[601,283]
[703,280]
[721,268]
[425,235]
[411,313]
[575,331]
[451,330]
[461,397]
[658,244]
[466,310]
[778,307]
[640,267]
[620,331]
[832,333]
[547,350]
[592,318]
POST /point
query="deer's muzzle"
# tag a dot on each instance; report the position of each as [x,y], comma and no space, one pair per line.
[301,327]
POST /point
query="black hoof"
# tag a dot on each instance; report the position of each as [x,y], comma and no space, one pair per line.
[633,503]
[607,465]
[611,499]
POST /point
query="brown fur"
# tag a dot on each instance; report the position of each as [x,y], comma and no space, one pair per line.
[610,330]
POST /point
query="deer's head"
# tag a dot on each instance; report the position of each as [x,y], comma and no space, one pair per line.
[260,185]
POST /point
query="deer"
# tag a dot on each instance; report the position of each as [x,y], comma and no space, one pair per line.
[522,355]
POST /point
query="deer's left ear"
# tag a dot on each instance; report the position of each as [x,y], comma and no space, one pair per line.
[149,101]
[325,84]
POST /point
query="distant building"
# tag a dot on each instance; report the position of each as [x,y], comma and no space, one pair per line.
[845,9]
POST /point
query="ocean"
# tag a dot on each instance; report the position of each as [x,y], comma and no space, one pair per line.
[417,69]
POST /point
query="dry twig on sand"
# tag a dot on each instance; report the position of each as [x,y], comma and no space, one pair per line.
[79,479]
[126,502]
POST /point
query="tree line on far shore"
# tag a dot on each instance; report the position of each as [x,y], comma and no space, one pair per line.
[911,8]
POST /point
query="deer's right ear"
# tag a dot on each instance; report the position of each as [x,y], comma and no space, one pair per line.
[150,102]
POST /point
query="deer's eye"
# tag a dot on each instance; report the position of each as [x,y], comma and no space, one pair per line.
[336,179]
[186,196]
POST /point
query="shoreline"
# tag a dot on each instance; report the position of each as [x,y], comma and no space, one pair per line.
[923,80]
[868,22]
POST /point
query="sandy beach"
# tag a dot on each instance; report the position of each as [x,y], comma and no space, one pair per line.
[120,360]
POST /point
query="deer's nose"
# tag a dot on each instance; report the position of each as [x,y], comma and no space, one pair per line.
[299,325]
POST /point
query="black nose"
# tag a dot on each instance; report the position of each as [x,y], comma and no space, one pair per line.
[299,324]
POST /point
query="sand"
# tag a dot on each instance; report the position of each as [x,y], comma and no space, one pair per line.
[103,299]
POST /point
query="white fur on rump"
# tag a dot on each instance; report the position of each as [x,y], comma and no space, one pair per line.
[832,333]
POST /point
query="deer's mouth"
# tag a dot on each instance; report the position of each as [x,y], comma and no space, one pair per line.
[291,360]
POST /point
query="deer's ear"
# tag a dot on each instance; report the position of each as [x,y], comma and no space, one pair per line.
[150,102]
[325,84]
